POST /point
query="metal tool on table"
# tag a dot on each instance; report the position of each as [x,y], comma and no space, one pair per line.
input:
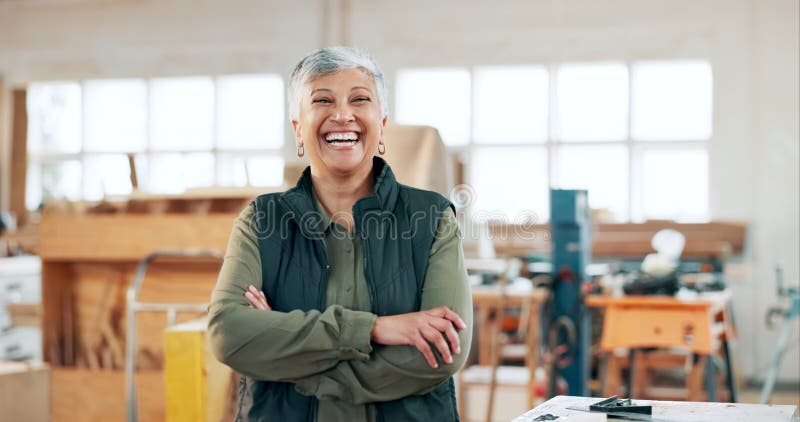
[621,409]
[789,313]
[172,309]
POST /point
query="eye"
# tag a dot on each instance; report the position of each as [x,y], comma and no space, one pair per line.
[321,101]
[360,99]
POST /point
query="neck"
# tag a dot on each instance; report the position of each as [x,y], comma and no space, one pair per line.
[339,192]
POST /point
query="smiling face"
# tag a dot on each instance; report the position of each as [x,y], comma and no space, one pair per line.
[340,122]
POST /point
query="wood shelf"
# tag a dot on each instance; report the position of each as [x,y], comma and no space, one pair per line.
[88,263]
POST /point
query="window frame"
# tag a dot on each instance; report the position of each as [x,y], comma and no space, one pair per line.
[83,155]
[634,147]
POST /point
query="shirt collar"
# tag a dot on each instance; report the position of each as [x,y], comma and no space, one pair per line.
[326,220]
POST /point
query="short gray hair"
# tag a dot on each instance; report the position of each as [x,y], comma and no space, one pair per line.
[330,60]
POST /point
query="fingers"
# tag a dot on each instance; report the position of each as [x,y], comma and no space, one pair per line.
[257,298]
[452,337]
[446,328]
[425,348]
[435,336]
[448,314]
[255,302]
[452,316]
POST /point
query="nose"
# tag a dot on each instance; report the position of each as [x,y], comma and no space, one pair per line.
[343,113]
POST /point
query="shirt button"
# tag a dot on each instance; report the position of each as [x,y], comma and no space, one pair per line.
[348,248]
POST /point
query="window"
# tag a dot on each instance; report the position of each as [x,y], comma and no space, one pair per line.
[592,102]
[634,134]
[184,132]
[423,94]
[115,115]
[671,101]
[511,105]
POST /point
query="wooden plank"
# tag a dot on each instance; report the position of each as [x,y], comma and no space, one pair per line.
[19,154]
[129,237]
[56,281]
[25,314]
[85,395]
[100,290]
[716,239]
[100,298]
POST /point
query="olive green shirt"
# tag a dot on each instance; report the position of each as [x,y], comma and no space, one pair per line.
[328,354]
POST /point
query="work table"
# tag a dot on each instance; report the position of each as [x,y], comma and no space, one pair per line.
[666,411]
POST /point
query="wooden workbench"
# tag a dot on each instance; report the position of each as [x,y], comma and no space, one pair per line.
[667,411]
[700,325]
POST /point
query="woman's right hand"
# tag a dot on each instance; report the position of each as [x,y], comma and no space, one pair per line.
[421,329]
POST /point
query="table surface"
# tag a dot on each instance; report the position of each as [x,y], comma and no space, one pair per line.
[707,299]
[672,411]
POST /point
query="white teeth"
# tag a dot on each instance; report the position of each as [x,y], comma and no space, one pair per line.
[341,136]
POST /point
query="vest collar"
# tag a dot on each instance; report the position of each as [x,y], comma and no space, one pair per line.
[299,199]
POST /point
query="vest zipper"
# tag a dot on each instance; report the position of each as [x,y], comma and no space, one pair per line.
[370,280]
[373,307]
[323,296]
[322,302]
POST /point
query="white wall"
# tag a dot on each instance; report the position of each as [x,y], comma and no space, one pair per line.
[752,45]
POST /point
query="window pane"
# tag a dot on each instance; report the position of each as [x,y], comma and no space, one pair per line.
[603,170]
[53,180]
[675,184]
[54,117]
[671,101]
[511,181]
[263,171]
[116,115]
[511,105]
[182,114]
[106,175]
[33,186]
[592,102]
[250,110]
[438,98]
[174,173]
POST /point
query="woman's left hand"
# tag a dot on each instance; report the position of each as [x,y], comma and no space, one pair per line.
[257,298]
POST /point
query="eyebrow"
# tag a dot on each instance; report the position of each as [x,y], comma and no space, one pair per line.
[352,89]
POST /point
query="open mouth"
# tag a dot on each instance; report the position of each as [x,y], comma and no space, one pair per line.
[342,139]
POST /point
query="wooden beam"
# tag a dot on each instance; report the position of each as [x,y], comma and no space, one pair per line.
[123,237]
[19,154]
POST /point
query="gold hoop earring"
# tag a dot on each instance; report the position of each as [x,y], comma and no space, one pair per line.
[381,148]
[301,151]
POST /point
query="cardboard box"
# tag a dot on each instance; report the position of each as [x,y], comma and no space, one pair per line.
[24,391]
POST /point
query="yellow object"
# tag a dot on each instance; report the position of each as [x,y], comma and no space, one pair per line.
[196,383]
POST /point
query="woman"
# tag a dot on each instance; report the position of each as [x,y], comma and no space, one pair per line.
[344,298]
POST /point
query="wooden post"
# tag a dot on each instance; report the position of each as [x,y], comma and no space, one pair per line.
[19,154]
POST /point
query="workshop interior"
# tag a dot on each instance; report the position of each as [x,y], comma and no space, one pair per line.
[625,176]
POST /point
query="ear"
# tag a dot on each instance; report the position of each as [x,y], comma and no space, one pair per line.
[298,137]
[383,126]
